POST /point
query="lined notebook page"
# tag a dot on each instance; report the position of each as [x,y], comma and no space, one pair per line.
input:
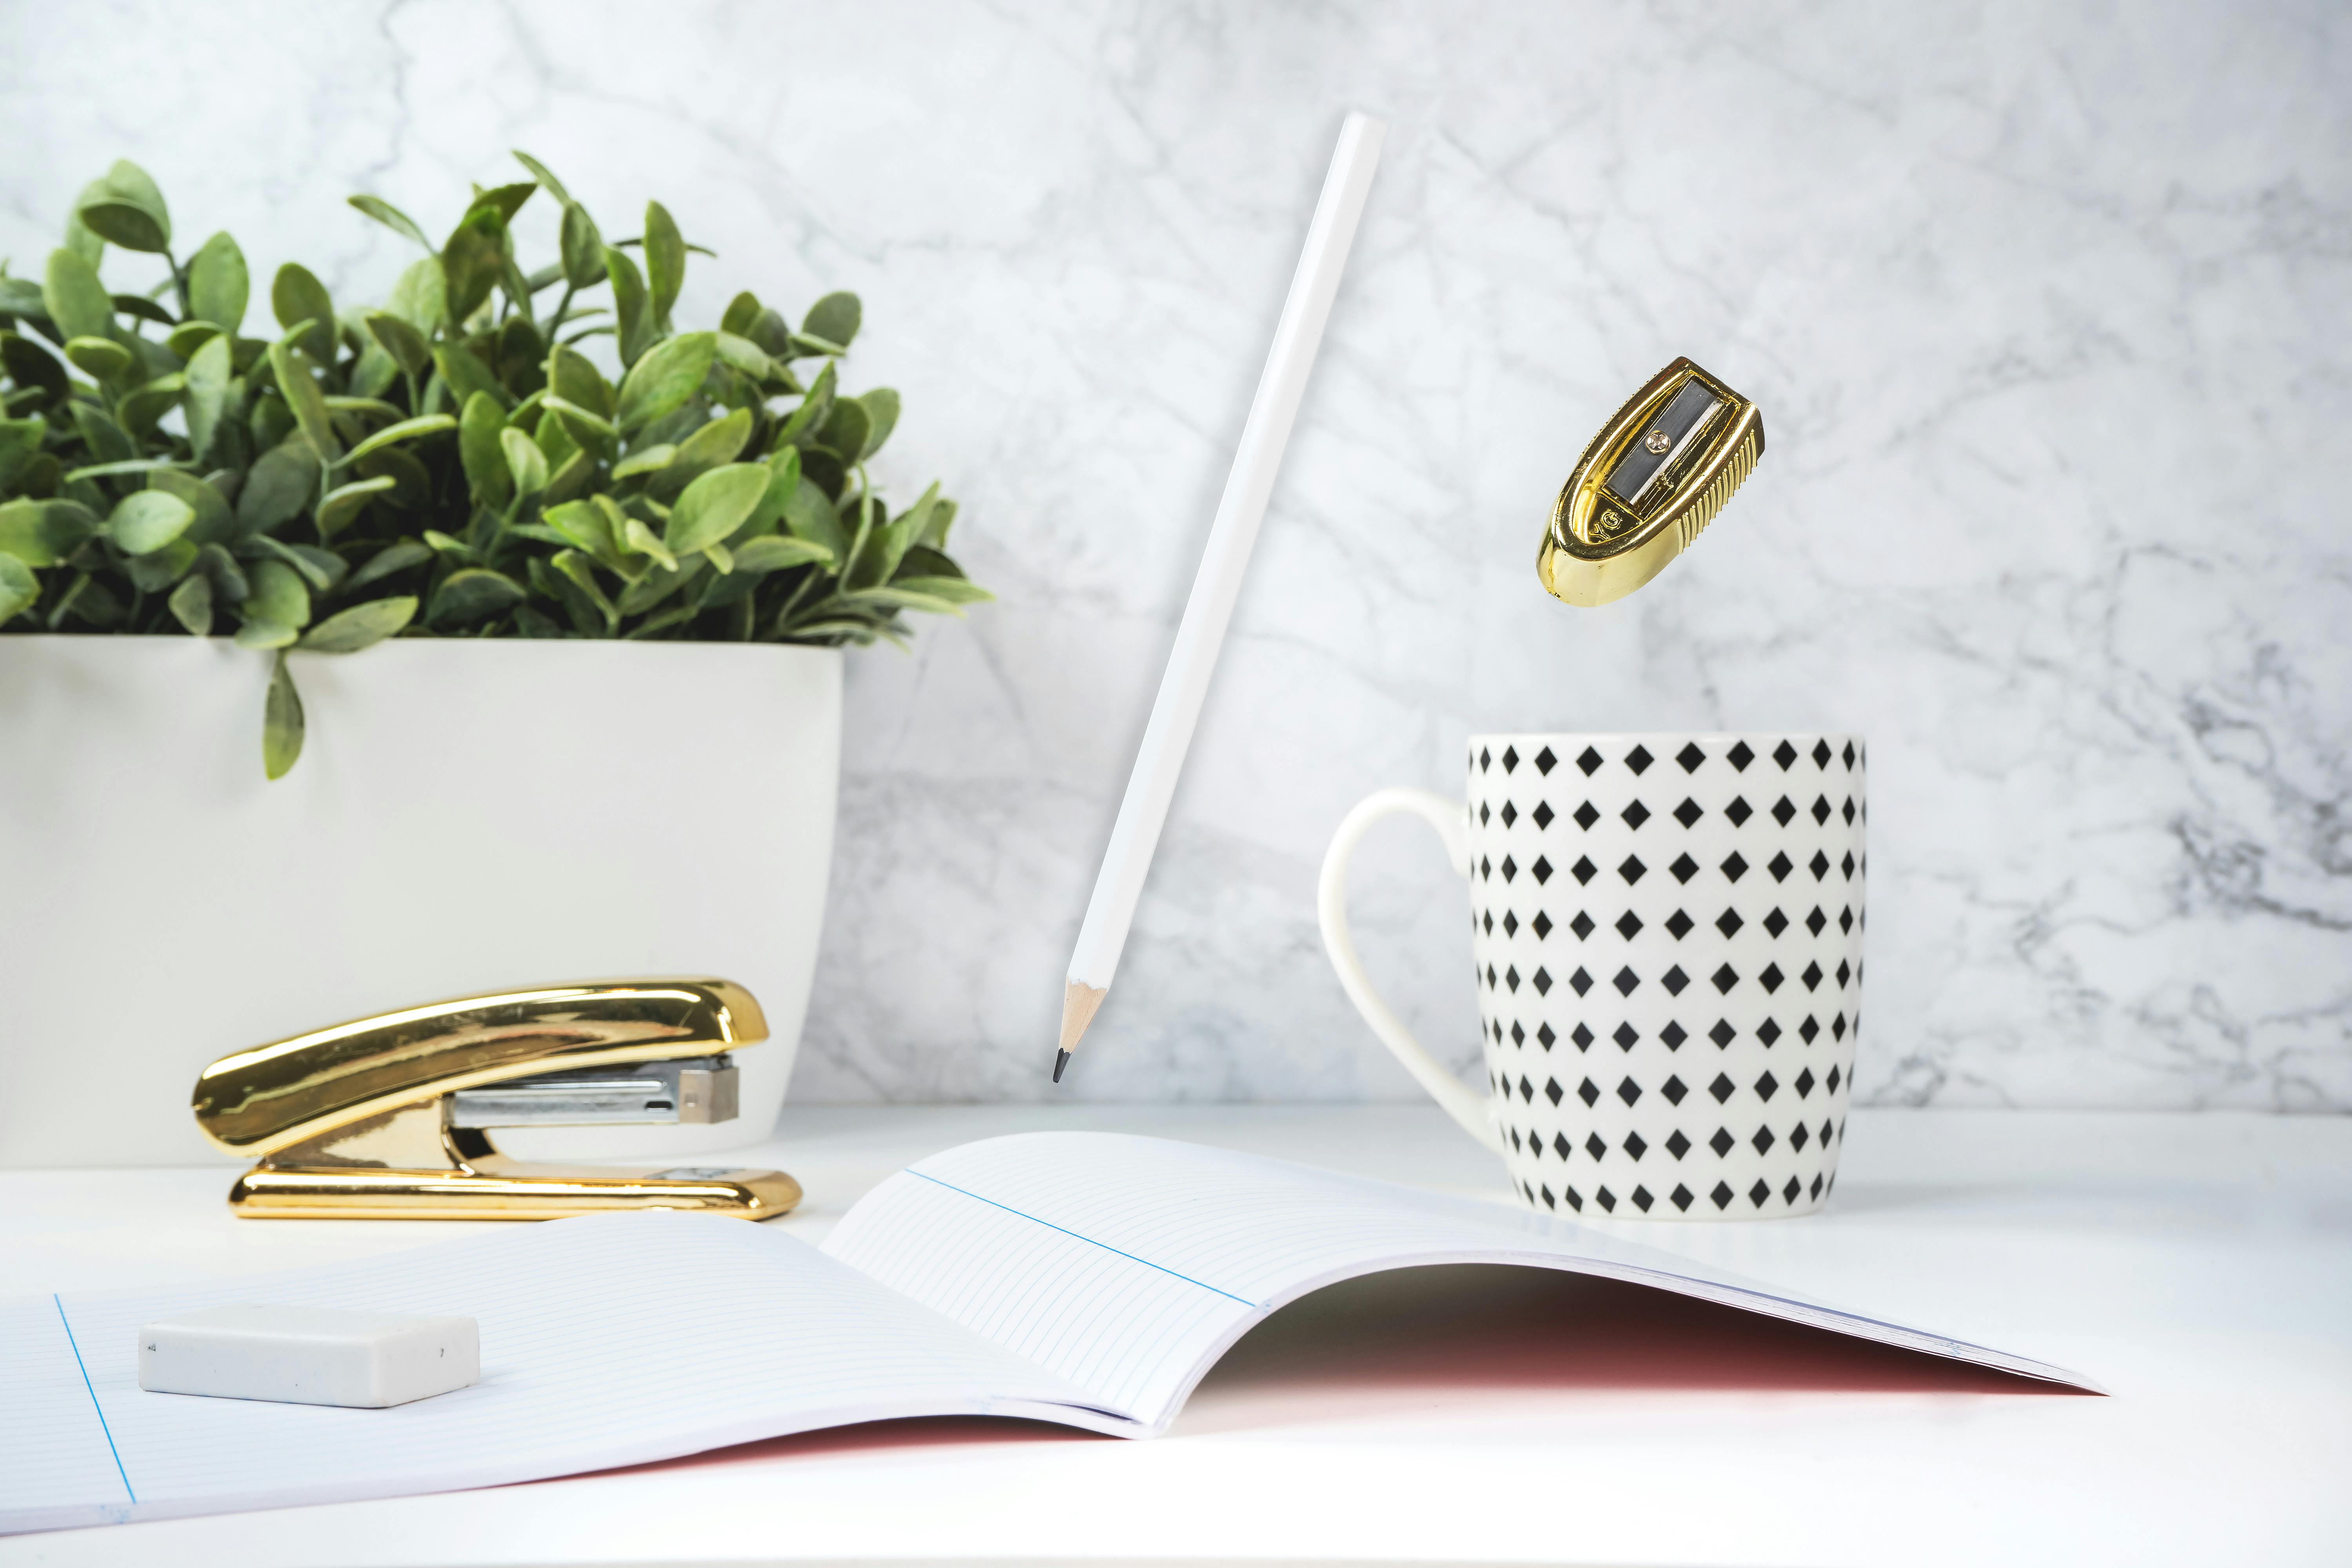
[1128,1264]
[605,1341]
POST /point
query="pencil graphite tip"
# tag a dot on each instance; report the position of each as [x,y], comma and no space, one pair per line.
[1060,1061]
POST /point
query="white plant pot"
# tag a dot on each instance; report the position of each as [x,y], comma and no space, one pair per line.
[467,815]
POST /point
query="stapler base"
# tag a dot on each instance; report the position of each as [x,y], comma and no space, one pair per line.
[522,1191]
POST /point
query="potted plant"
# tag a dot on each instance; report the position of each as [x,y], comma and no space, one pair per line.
[610,564]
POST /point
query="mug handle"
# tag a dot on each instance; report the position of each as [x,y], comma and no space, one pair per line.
[1451,820]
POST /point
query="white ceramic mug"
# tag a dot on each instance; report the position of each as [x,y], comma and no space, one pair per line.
[1666,931]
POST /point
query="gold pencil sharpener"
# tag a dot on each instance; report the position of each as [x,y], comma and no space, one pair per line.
[390,1117]
[1656,475]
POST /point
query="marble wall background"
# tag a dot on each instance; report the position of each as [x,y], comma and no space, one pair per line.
[2047,305]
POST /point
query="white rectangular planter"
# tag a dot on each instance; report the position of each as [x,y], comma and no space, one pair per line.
[467,814]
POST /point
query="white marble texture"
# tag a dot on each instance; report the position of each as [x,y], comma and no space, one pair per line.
[2047,304]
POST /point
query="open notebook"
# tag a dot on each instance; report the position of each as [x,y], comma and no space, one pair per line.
[1085,1279]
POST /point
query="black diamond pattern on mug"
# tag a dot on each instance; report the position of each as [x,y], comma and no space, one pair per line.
[1541,870]
[1722,1034]
[1638,759]
[1740,756]
[1625,980]
[1588,1091]
[1527,1089]
[1606,1199]
[1484,814]
[1767,1085]
[1804,1084]
[1734,866]
[1819,865]
[1635,1147]
[1584,870]
[1681,1197]
[1582,925]
[1582,1036]
[1849,756]
[1636,814]
[1769,1031]
[1485,761]
[1585,815]
[1676,1144]
[1680,923]
[1815,921]
[1770,979]
[1722,1196]
[1837,1026]
[1594,1146]
[1721,1089]
[1542,980]
[1785,755]
[1690,756]
[1510,758]
[1628,926]
[1674,980]
[1849,811]
[1782,810]
[1510,923]
[1562,1146]
[1643,1199]
[1542,813]
[1511,868]
[1729,922]
[1780,866]
[1511,977]
[1553,1091]
[1721,1142]
[1625,1036]
[1820,809]
[1725,979]
[1589,760]
[1540,925]
[1629,1091]
[1688,812]
[1815,1189]
[1759,1194]
[1833,1083]
[1632,869]
[1812,979]
[1776,922]
[1845,919]
[1739,811]
[1486,869]
[1799,1136]
[1789,1194]
[1518,1036]
[1510,814]
[1820,753]
[1763,1141]
[1581,980]
[1544,761]
[1543,1037]
[1674,1033]
[1684,867]
[1846,865]
[1674,1089]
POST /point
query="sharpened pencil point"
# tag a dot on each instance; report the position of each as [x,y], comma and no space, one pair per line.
[1060,1061]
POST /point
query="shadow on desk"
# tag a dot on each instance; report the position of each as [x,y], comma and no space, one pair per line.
[1477,1338]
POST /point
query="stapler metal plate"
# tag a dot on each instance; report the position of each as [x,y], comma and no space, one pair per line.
[390,1117]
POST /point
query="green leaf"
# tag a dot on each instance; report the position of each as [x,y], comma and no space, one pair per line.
[218,283]
[281,721]
[810,516]
[572,378]
[277,487]
[582,574]
[266,635]
[803,426]
[187,337]
[643,539]
[361,625]
[834,319]
[321,569]
[126,207]
[159,569]
[744,355]
[391,560]
[583,247]
[463,369]
[302,394]
[645,460]
[846,430]
[583,524]
[407,430]
[473,594]
[632,312]
[392,218]
[20,443]
[148,519]
[881,407]
[43,533]
[192,604]
[209,376]
[30,365]
[955,590]
[719,441]
[663,381]
[401,339]
[420,298]
[141,307]
[278,595]
[544,174]
[665,261]
[18,587]
[481,454]
[774,551]
[715,506]
[507,200]
[215,521]
[101,359]
[78,302]
[296,297]
[105,438]
[475,258]
[345,502]
[229,582]
[524,461]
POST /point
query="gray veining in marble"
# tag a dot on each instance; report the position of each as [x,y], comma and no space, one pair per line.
[2047,306]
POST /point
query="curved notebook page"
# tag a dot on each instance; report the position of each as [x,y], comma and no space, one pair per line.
[607,1340]
[1127,1265]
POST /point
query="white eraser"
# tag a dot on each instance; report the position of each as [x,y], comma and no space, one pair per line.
[308,1355]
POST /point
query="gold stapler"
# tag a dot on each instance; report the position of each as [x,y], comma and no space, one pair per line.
[390,1117]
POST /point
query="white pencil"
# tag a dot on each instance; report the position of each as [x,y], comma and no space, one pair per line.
[1193,659]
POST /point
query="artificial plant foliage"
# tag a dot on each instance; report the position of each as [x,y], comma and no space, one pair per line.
[465,459]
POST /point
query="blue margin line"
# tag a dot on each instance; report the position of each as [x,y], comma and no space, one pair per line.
[1089,1240]
[102,1426]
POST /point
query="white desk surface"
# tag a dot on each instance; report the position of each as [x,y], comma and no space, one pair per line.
[2200,1267]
